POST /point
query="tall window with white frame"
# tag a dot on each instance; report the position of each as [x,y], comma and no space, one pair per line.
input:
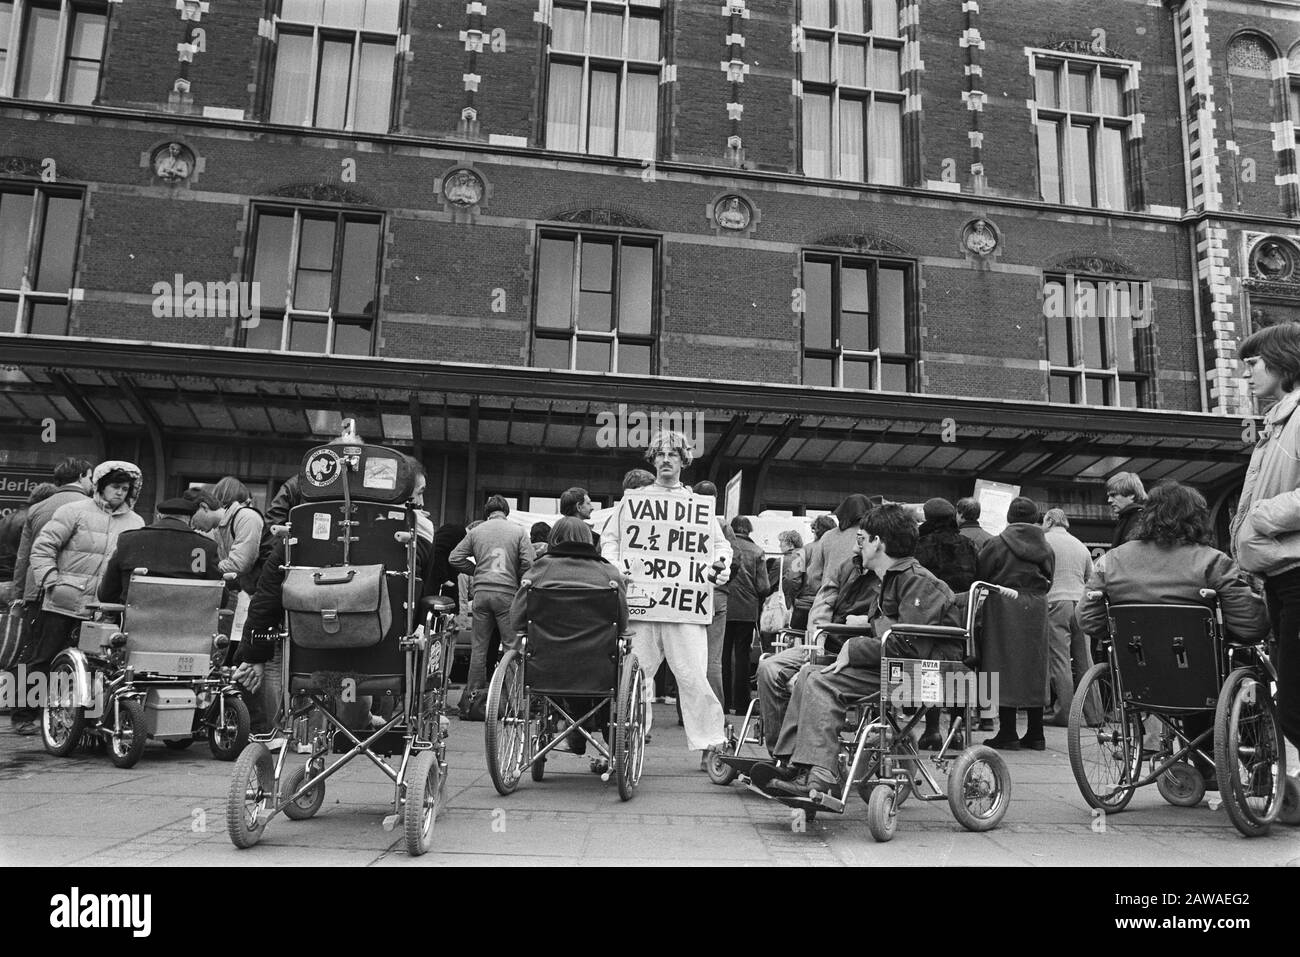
[52,49]
[852,90]
[1097,340]
[595,302]
[602,91]
[334,64]
[39,228]
[1084,130]
[318,280]
[857,325]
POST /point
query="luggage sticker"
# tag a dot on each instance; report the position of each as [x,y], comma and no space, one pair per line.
[931,684]
[320,526]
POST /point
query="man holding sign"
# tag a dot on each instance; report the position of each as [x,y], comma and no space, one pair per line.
[672,549]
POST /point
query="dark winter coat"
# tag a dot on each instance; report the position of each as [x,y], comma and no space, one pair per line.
[1126,524]
[749,583]
[1014,642]
[568,563]
[168,548]
[947,554]
[976,533]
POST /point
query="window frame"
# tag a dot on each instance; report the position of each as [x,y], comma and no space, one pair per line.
[1079,372]
[1065,117]
[24,296]
[16,56]
[875,356]
[624,65]
[320,34]
[286,312]
[615,336]
[866,94]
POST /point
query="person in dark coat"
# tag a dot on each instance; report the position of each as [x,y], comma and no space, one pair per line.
[1015,638]
[968,522]
[169,548]
[951,557]
[748,587]
[1127,498]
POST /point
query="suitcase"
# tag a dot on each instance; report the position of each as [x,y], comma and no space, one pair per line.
[12,634]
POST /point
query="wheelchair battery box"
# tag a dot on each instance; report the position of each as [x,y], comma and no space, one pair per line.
[910,682]
[95,635]
[169,712]
[169,663]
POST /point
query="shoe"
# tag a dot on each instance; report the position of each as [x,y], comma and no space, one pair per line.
[802,788]
[26,728]
[760,775]
[1009,743]
[986,724]
[1033,744]
[931,741]
[577,742]
[598,766]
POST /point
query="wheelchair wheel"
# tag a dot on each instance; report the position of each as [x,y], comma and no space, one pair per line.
[252,787]
[1182,785]
[129,737]
[979,789]
[62,727]
[537,742]
[1249,756]
[1105,742]
[506,730]
[719,772]
[629,727]
[226,740]
[1290,811]
[423,800]
[882,815]
[307,805]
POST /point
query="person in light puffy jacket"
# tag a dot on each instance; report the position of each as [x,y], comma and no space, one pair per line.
[71,553]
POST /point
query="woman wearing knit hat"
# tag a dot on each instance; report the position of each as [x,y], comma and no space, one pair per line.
[1015,631]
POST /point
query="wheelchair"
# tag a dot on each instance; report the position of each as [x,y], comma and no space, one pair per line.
[1173,664]
[570,650]
[726,765]
[879,757]
[350,597]
[156,674]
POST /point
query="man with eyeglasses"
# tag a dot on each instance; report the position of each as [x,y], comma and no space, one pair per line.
[685,646]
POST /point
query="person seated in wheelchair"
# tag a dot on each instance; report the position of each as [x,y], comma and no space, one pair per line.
[807,748]
[169,548]
[1169,560]
[571,559]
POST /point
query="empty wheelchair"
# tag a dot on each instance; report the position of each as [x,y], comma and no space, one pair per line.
[878,753]
[572,670]
[354,633]
[155,674]
[733,762]
[1171,675]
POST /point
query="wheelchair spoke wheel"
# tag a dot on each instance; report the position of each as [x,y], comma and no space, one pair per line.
[629,727]
[882,813]
[979,789]
[1105,742]
[307,805]
[252,788]
[62,724]
[228,734]
[1249,756]
[424,790]
[505,732]
[1182,785]
[127,741]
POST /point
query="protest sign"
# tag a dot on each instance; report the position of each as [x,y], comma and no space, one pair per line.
[667,547]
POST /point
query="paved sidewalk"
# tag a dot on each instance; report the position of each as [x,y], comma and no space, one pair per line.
[170,809]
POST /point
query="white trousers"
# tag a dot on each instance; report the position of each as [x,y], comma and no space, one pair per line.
[687,649]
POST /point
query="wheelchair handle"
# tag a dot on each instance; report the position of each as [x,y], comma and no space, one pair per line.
[1098,595]
[320,579]
[1002,590]
[1208,593]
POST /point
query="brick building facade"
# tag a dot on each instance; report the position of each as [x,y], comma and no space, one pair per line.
[846,212]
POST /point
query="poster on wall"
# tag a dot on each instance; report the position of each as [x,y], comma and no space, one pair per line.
[994,498]
[667,547]
[16,483]
[732,508]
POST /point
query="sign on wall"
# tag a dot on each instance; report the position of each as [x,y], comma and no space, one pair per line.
[667,548]
[994,498]
[16,483]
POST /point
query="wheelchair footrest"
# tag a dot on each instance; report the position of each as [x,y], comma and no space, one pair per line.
[743,764]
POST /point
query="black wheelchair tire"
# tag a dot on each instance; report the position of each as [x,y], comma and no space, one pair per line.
[180,744]
[504,779]
[1118,799]
[61,676]
[1238,691]
[307,805]
[957,788]
[130,713]
[235,708]
[882,815]
[629,727]
[424,794]
[1181,785]
[1289,814]
[252,767]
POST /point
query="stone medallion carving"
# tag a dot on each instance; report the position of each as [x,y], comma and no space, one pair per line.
[1273,260]
[463,188]
[733,212]
[979,237]
[173,162]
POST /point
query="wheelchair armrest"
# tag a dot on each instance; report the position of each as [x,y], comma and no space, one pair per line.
[106,607]
[846,631]
[936,631]
[437,604]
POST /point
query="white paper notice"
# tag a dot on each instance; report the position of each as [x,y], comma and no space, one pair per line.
[320,526]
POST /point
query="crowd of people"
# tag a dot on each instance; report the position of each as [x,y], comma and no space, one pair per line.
[870,564]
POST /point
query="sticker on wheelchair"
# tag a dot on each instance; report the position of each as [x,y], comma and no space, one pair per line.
[930,683]
[895,675]
[320,526]
[380,473]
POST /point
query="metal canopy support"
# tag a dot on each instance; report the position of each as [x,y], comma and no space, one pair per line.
[737,423]
[471,461]
[154,428]
[417,430]
[72,392]
[767,457]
